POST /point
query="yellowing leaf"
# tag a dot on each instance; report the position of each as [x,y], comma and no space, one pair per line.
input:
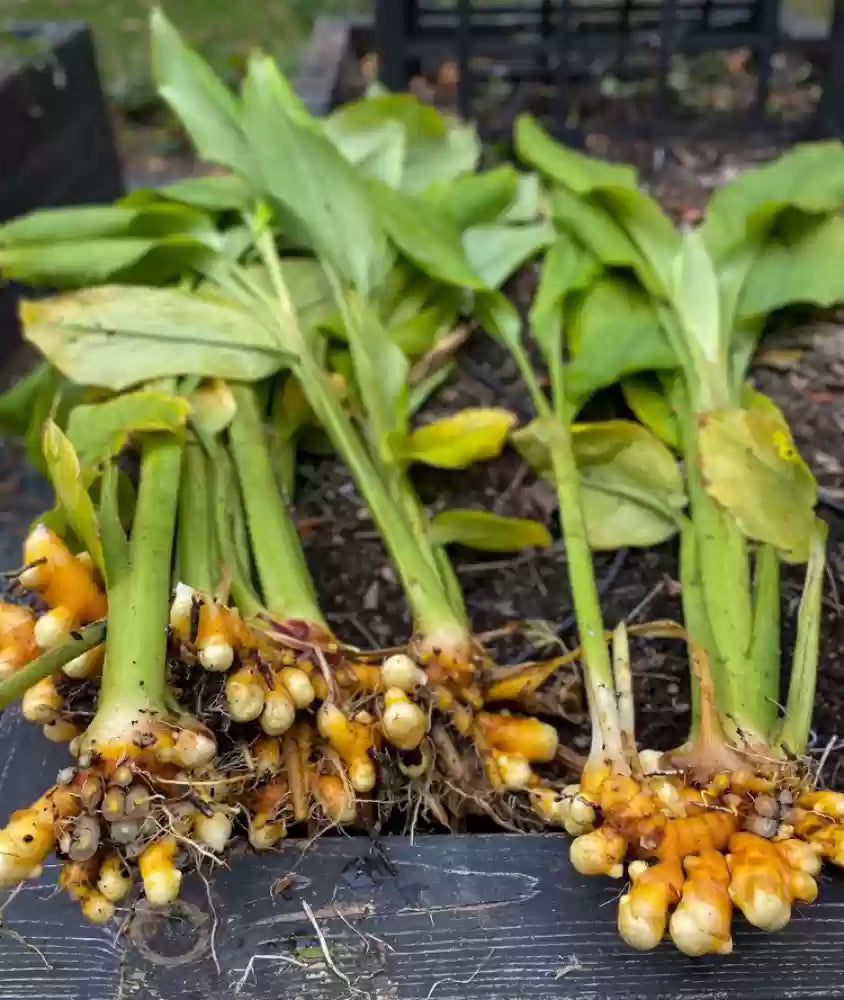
[99,430]
[116,336]
[631,484]
[472,435]
[751,466]
[486,532]
[212,406]
[66,476]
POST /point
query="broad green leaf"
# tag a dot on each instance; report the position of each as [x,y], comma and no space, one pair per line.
[378,152]
[487,532]
[576,171]
[418,333]
[528,204]
[496,251]
[751,466]
[567,269]
[424,235]
[207,110]
[84,223]
[98,431]
[802,265]
[18,402]
[694,295]
[66,476]
[631,484]
[649,403]
[603,234]
[477,199]
[214,193]
[475,434]
[212,406]
[434,147]
[498,316]
[613,332]
[310,177]
[72,264]
[809,177]
[116,336]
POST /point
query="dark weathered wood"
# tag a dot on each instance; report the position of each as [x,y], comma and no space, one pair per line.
[445,918]
[318,80]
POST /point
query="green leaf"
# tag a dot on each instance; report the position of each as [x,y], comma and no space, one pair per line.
[66,476]
[433,147]
[694,295]
[496,252]
[751,466]
[424,235]
[90,336]
[214,193]
[487,532]
[644,395]
[90,222]
[89,262]
[602,205]
[498,316]
[309,176]
[18,402]
[378,152]
[527,206]
[614,332]
[207,110]
[418,333]
[475,434]
[809,177]
[631,484]
[99,431]
[567,269]
[581,173]
[477,199]
[802,264]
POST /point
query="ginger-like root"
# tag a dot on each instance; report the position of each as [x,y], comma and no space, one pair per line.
[643,910]
[161,878]
[352,739]
[701,923]
[17,638]
[67,583]
[763,885]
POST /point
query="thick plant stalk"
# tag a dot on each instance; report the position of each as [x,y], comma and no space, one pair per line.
[285,581]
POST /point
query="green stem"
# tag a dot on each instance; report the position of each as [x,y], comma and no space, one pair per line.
[429,601]
[765,641]
[285,581]
[22,680]
[228,518]
[725,584]
[804,668]
[597,667]
[195,531]
[135,670]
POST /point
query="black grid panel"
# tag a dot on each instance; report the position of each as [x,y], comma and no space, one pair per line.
[740,63]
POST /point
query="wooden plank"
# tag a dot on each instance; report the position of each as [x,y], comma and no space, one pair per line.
[444,918]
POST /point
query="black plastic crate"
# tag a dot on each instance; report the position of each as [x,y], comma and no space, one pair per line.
[57,144]
[559,58]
